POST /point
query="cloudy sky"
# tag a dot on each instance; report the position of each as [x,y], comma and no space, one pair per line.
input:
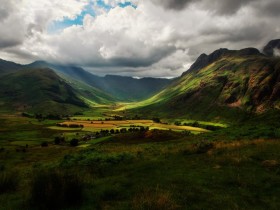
[159,38]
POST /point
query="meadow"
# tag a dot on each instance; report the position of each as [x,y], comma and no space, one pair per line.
[96,125]
[236,167]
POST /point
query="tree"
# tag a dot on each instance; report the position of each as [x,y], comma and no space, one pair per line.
[112,131]
[74,142]
[177,123]
[59,139]
[156,120]
[44,144]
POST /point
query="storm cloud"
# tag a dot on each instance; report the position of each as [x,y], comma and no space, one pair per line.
[143,38]
[173,4]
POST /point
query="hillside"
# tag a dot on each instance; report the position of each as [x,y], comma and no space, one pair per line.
[7,67]
[226,84]
[118,87]
[38,90]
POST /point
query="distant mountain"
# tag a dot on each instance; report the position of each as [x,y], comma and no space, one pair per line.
[83,81]
[131,89]
[38,90]
[119,87]
[227,84]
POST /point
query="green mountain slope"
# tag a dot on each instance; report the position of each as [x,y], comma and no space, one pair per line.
[119,87]
[225,85]
[7,67]
[38,90]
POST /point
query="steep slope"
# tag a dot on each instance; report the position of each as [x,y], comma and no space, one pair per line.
[38,90]
[120,88]
[225,85]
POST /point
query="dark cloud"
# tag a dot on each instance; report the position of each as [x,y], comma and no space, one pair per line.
[4,43]
[155,56]
[269,8]
[221,7]
[225,7]
[173,4]
[158,38]
[6,7]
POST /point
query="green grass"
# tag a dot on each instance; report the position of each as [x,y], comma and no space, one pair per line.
[234,168]
[172,173]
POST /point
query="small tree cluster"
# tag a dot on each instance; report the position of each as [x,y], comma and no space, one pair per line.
[59,139]
[74,142]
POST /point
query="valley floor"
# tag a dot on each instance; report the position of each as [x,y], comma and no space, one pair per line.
[233,168]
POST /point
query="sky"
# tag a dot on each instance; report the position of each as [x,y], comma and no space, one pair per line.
[141,38]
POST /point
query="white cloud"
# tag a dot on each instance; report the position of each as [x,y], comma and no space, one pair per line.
[154,39]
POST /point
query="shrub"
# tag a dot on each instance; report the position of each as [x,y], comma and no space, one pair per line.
[56,190]
[44,144]
[74,142]
[59,139]
[203,147]
[156,120]
[8,182]
[177,123]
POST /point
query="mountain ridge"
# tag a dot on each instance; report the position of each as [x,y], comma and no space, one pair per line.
[227,84]
[122,88]
[39,90]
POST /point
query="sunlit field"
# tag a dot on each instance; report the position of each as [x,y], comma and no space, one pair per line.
[93,125]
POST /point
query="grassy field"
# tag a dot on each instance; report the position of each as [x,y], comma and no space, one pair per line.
[93,125]
[237,167]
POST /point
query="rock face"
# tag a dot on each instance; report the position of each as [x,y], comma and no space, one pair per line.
[203,60]
[226,84]
[272,48]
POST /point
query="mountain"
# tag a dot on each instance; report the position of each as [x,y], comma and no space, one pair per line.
[272,48]
[131,89]
[38,90]
[7,67]
[119,87]
[227,84]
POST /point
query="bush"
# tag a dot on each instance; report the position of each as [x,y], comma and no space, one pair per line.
[8,182]
[177,123]
[203,147]
[74,142]
[59,139]
[56,190]
[156,120]
[44,144]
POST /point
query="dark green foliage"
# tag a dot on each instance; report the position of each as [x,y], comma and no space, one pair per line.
[25,114]
[248,130]
[207,126]
[9,182]
[75,126]
[74,142]
[203,146]
[156,120]
[44,144]
[56,189]
[59,139]
[177,123]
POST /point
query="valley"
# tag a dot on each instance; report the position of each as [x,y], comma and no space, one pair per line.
[208,139]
